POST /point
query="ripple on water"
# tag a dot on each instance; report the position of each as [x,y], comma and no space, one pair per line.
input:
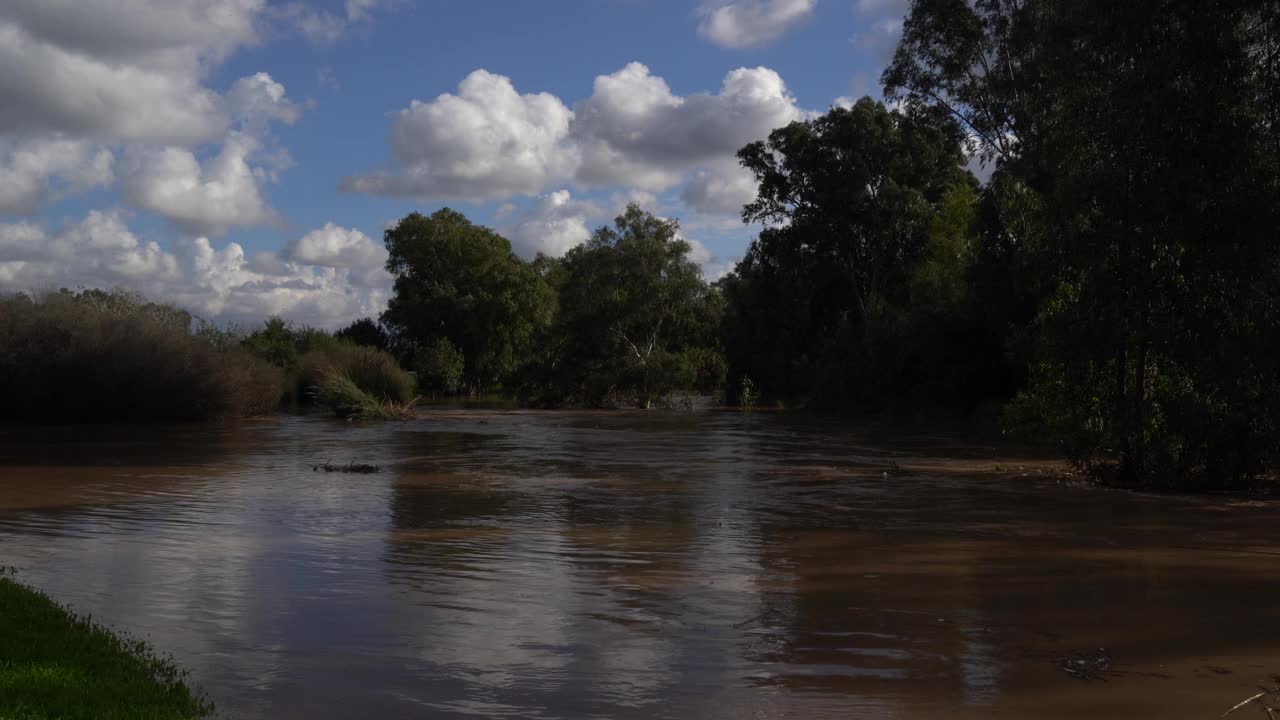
[577,565]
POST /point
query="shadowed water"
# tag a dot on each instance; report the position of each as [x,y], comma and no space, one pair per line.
[617,565]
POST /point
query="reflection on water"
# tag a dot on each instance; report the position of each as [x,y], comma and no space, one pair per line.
[619,565]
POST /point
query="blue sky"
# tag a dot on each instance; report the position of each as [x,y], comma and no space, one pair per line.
[242,157]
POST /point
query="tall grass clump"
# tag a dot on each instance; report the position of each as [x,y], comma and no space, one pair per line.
[357,383]
[373,371]
[341,394]
[99,356]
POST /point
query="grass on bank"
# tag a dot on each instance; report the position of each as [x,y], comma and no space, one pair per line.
[55,665]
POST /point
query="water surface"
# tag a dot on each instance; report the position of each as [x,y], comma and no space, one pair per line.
[632,565]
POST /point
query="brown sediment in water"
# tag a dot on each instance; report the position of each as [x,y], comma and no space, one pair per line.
[641,565]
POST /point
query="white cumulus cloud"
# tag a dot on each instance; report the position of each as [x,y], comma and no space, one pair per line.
[118,69]
[325,288]
[208,197]
[258,99]
[491,142]
[634,131]
[719,189]
[554,225]
[488,141]
[337,247]
[35,172]
[213,195]
[751,23]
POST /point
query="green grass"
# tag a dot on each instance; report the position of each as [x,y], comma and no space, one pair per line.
[341,394]
[55,665]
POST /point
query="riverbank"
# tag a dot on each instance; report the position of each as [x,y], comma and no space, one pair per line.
[55,664]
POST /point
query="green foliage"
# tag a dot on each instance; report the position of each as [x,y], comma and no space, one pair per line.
[277,343]
[748,396]
[282,344]
[440,367]
[624,318]
[373,371]
[338,392]
[95,356]
[1139,165]
[368,333]
[636,320]
[460,281]
[57,666]
[862,295]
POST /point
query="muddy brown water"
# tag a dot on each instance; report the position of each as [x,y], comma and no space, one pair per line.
[629,565]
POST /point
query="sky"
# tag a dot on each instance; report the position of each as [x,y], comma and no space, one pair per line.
[242,158]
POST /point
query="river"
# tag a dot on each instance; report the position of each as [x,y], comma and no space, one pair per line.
[643,565]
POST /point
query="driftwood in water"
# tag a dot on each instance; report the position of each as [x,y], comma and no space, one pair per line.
[351,467]
[1268,696]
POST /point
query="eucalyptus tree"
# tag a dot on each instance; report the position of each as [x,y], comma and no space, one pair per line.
[1138,143]
[636,318]
[459,281]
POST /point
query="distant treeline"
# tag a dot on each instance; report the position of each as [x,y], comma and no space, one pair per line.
[1113,287]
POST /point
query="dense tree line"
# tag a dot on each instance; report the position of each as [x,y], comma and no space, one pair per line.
[625,319]
[1118,273]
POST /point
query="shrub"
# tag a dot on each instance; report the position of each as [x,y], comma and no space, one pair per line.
[440,366]
[339,393]
[96,356]
[372,371]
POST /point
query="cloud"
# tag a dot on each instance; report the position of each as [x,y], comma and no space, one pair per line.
[720,189]
[34,173]
[113,71]
[553,226]
[211,196]
[359,9]
[215,283]
[98,251]
[486,142]
[713,268]
[633,130]
[201,198]
[257,100]
[491,142]
[322,27]
[751,23]
[85,81]
[884,28]
[336,247]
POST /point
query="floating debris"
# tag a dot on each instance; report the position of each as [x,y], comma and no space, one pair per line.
[351,467]
[1270,696]
[1086,664]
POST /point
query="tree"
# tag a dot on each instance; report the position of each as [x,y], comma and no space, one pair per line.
[460,281]
[1139,143]
[636,317]
[440,367]
[366,332]
[850,201]
[276,342]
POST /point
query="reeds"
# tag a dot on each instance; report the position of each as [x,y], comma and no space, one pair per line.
[338,392]
[113,357]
